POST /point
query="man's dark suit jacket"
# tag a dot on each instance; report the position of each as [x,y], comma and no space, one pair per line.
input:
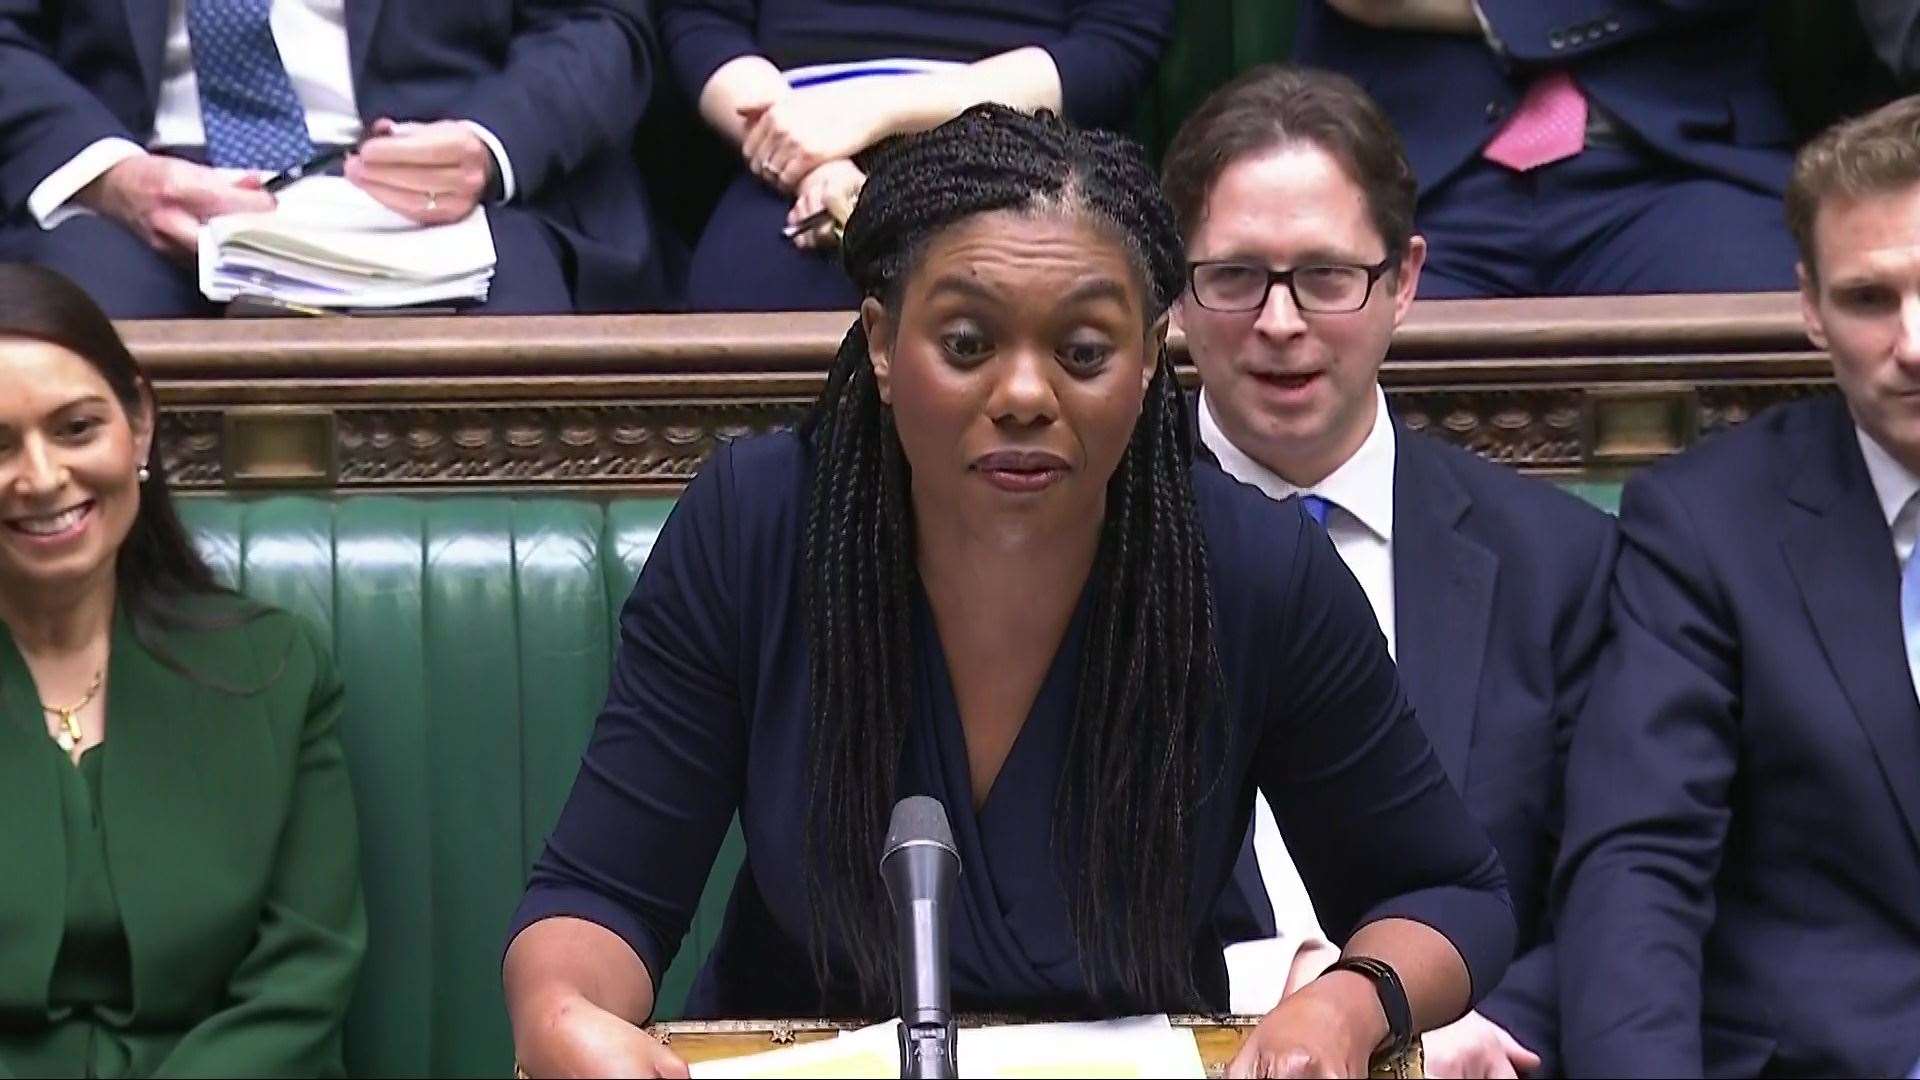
[1739,893]
[1499,598]
[1687,76]
[561,83]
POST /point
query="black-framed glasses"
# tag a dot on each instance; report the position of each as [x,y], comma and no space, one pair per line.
[1320,288]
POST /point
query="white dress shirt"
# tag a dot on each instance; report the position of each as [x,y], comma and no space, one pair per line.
[1360,523]
[312,38]
[1895,486]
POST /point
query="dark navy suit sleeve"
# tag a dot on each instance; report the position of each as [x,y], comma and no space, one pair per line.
[1526,1001]
[571,87]
[1372,822]
[1559,31]
[46,117]
[1107,55]
[662,774]
[1647,803]
[702,35]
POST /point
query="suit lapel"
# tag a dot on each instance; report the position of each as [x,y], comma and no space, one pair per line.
[362,17]
[1841,555]
[1442,601]
[185,765]
[147,25]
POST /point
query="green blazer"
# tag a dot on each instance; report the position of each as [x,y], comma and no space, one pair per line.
[230,844]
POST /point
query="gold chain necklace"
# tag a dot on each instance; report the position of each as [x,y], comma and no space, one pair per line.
[68,736]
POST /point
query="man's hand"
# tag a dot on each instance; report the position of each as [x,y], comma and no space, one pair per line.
[1475,1048]
[833,187]
[165,200]
[433,173]
[807,128]
[1432,16]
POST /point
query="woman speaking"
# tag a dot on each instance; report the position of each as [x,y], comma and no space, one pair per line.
[183,892]
[987,570]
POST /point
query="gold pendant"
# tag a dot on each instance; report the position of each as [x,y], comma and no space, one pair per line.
[68,736]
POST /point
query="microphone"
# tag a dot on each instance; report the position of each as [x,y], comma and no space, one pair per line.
[919,866]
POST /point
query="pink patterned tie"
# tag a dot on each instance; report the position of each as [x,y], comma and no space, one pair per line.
[1550,125]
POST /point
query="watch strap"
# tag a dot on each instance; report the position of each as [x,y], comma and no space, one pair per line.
[1393,998]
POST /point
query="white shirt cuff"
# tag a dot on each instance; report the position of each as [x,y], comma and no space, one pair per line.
[49,200]
[499,153]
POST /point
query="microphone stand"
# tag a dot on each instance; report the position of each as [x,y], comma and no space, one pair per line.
[919,867]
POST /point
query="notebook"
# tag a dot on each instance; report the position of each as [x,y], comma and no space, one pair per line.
[330,244]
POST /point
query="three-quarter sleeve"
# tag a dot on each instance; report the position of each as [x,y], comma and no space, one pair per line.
[1106,56]
[1373,824]
[661,777]
[702,35]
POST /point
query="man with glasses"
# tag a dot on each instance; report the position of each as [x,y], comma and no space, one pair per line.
[1297,204]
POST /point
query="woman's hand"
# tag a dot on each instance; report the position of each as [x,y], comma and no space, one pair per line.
[790,138]
[1330,1027]
[577,1038]
[833,187]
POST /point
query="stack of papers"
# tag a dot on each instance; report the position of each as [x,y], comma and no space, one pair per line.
[1141,1046]
[330,244]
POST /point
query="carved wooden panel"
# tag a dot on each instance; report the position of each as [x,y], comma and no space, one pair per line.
[616,402]
[189,446]
[661,444]
[1538,428]
[1722,407]
[581,443]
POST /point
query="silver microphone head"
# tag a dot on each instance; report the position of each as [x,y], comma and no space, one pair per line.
[918,820]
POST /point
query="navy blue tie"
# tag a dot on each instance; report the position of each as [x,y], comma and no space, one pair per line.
[1316,508]
[247,104]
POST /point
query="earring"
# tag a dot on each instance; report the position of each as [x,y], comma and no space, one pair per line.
[143,474]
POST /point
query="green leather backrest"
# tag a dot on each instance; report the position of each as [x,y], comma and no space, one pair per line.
[474,636]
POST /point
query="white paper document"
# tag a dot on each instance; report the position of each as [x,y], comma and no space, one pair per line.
[1141,1046]
[330,244]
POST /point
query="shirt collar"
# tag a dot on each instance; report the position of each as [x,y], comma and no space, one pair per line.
[1893,483]
[1362,485]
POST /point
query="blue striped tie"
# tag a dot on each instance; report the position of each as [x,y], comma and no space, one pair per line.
[1316,507]
[247,104]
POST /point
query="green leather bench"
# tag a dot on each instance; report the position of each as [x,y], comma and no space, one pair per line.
[475,636]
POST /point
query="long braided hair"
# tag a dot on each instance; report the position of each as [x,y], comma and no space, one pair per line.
[1149,677]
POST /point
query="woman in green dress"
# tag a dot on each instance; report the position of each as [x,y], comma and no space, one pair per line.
[182,892]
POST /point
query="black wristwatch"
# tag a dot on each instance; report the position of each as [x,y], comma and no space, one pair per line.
[1393,998]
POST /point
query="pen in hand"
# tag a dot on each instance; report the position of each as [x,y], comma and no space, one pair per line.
[318,163]
[806,224]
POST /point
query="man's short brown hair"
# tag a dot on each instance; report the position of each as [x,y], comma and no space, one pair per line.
[1875,154]
[1274,106]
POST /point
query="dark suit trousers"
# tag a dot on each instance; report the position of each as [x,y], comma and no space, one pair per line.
[1613,219]
[132,281]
